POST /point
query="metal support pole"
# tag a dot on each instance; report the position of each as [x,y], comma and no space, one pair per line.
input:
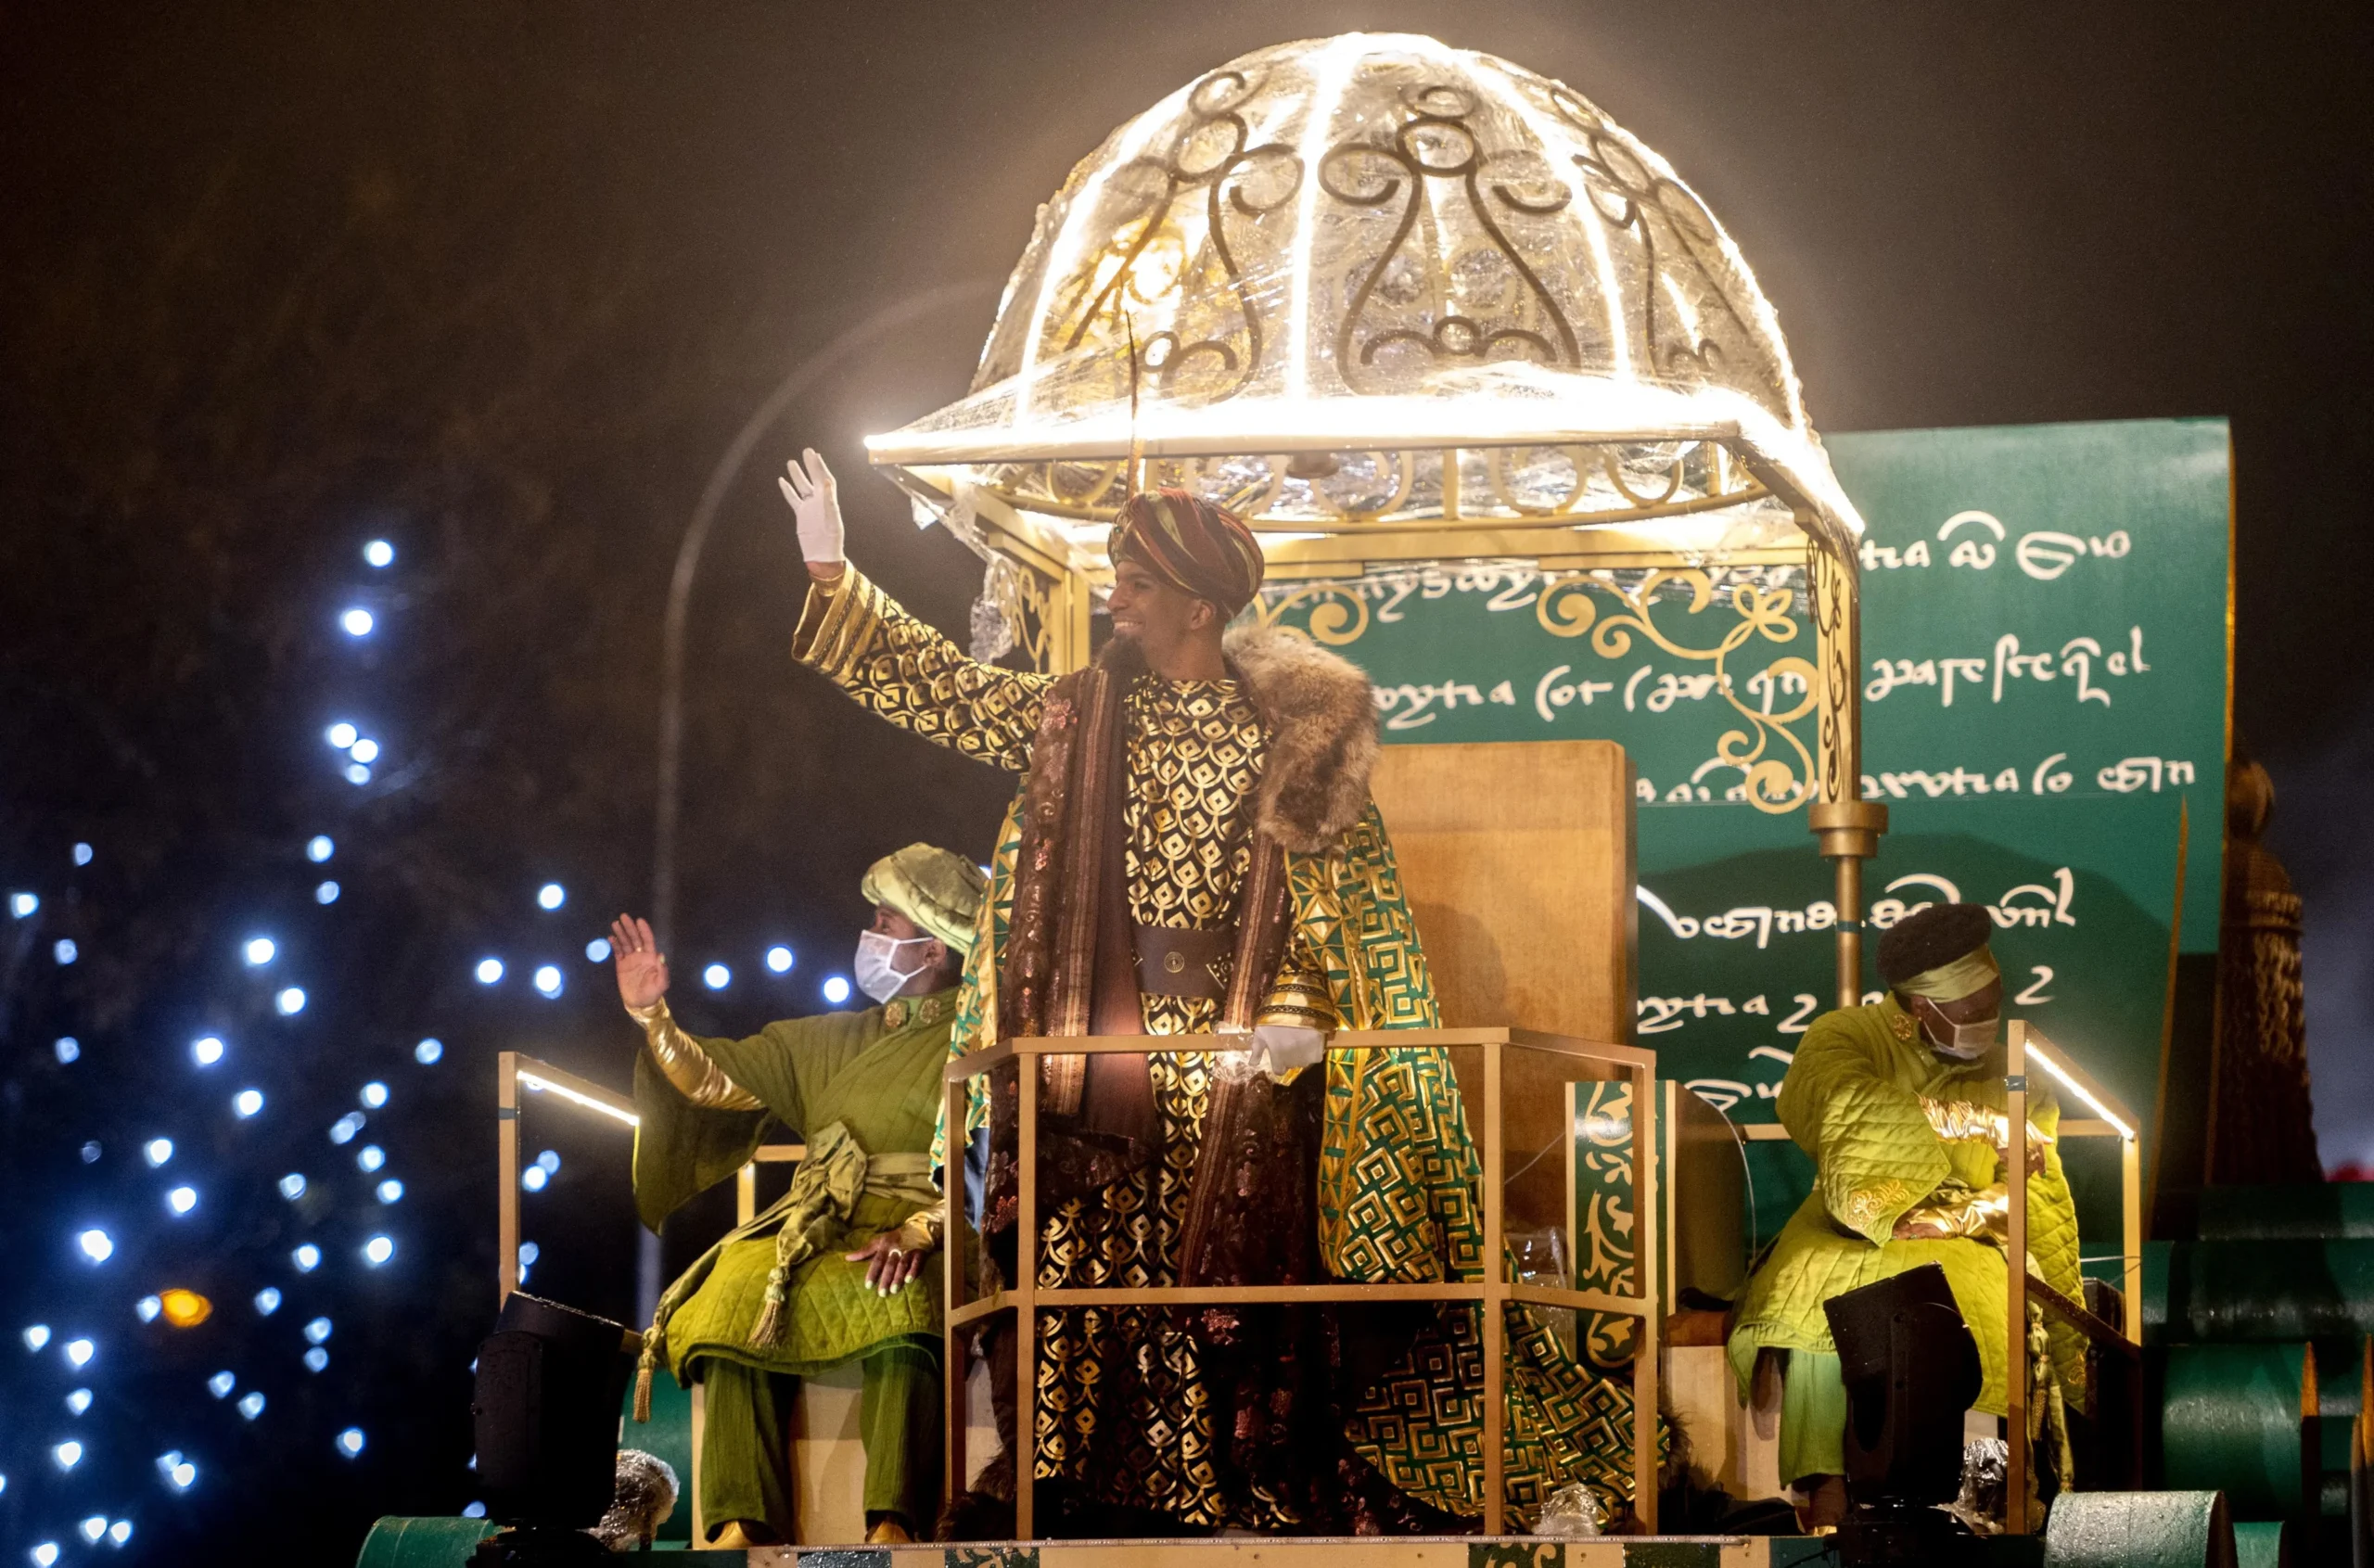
[1847,825]
[506,1175]
[1024,1290]
[1647,1345]
[1496,1295]
[954,1367]
[2015,1304]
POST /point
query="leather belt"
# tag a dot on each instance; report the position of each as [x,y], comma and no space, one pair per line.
[1173,961]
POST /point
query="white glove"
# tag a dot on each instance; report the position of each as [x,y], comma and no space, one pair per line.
[815,509]
[1288,1047]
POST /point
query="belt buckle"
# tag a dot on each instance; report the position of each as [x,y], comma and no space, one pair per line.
[1174,962]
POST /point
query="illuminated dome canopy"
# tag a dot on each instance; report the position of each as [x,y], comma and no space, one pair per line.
[1372,285]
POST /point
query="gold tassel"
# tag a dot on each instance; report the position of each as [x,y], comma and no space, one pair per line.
[642,1371]
[769,1330]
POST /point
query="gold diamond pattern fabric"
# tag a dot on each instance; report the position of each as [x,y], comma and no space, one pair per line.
[904,670]
[1123,1405]
[1123,1408]
[1195,750]
[1422,1426]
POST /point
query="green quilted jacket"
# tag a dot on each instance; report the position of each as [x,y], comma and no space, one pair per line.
[883,1086]
[1854,1099]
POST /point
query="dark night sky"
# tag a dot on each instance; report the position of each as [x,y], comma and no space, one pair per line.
[1965,214]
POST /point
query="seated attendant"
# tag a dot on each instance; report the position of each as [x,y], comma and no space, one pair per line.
[1902,1106]
[833,1272]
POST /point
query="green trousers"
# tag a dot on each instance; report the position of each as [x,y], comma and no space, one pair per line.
[746,1452]
[1813,1416]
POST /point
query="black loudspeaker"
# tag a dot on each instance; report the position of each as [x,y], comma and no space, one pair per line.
[1910,1369]
[550,1382]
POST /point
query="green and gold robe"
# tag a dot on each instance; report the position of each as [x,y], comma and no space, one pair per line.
[1397,1169]
[876,1074]
[1893,1126]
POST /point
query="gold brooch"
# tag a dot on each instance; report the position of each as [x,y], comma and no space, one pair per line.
[1902,1026]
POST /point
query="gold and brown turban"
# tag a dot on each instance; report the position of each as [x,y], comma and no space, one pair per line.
[1196,547]
[939,890]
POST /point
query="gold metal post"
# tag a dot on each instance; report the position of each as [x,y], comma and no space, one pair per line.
[955,1238]
[2015,1252]
[1847,826]
[1496,1295]
[1648,1343]
[1023,1290]
[506,1175]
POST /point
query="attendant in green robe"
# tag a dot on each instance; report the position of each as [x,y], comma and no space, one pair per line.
[833,1272]
[1902,1106]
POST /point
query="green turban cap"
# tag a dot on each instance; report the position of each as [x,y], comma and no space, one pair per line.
[940,891]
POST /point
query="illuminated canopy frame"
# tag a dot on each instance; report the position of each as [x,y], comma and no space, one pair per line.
[1399,303]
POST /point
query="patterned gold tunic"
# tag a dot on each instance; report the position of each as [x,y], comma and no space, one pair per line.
[1194,751]
[1128,1402]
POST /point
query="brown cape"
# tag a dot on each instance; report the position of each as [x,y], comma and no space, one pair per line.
[1069,965]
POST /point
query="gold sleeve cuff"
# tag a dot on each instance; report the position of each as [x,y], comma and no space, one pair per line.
[839,623]
[1952,1209]
[922,1230]
[687,1066]
[1959,1121]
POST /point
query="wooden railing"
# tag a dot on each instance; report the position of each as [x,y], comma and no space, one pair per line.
[1025,1300]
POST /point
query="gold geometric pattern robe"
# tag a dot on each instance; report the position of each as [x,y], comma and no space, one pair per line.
[1397,1168]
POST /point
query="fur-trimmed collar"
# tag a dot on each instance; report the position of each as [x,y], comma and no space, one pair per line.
[1319,727]
[1319,716]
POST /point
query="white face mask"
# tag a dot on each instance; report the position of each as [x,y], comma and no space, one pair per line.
[1966,1042]
[878,975]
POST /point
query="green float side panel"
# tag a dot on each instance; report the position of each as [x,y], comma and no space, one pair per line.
[2269,1290]
[2318,1211]
[2138,1530]
[2230,1419]
[2263,1546]
[422,1543]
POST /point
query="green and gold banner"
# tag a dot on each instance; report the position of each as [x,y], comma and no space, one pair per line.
[2045,697]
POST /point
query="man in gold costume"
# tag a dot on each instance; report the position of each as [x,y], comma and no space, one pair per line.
[783,1297]
[1194,851]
